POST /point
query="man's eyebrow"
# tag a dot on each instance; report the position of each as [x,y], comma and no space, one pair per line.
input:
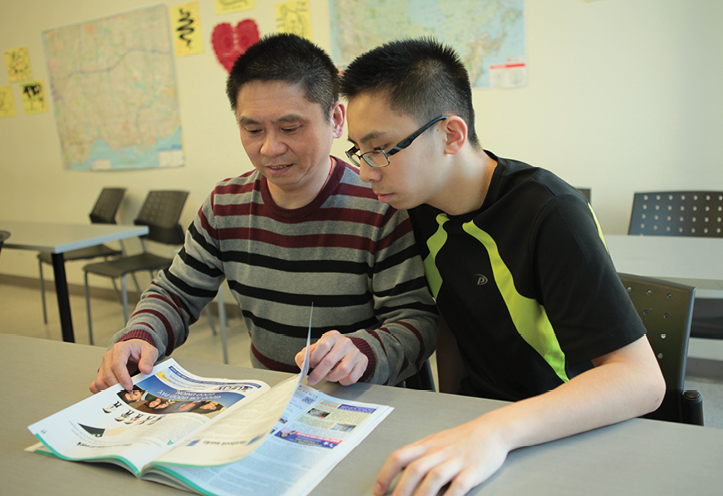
[370,136]
[284,118]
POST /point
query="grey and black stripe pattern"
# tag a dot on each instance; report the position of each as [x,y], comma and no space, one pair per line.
[352,256]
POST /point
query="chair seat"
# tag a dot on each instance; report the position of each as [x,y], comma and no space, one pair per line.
[83,254]
[125,265]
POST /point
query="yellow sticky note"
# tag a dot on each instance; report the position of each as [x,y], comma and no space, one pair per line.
[226,6]
[17,61]
[33,96]
[293,17]
[186,25]
[7,102]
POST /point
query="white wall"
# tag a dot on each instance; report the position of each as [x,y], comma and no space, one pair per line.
[623,96]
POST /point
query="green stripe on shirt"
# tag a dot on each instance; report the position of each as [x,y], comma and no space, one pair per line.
[435,243]
[528,316]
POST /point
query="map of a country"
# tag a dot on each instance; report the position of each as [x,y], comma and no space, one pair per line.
[114,92]
[485,33]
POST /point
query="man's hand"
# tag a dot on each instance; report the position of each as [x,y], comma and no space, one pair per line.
[120,360]
[464,456]
[335,358]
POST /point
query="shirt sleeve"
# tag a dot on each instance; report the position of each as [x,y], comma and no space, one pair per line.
[178,295]
[580,290]
[407,334]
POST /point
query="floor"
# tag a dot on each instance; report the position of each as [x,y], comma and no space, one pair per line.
[21,312]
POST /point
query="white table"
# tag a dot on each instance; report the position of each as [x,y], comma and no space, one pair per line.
[57,239]
[640,457]
[694,261]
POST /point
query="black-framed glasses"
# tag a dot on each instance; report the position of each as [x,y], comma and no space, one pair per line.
[380,158]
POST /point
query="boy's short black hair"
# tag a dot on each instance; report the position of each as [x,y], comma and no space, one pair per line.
[422,78]
[291,59]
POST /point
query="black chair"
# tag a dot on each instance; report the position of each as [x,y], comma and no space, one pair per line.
[423,379]
[161,211]
[684,213]
[586,192]
[665,309]
[678,213]
[104,212]
[3,236]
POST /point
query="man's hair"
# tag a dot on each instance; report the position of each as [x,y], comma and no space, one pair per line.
[422,78]
[291,59]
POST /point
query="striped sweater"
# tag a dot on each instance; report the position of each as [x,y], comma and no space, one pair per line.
[351,256]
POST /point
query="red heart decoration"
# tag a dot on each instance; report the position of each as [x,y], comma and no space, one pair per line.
[229,42]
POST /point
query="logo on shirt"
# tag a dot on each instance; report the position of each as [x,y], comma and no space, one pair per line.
[481,279]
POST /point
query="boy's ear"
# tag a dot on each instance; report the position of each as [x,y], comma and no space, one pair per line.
[455,134]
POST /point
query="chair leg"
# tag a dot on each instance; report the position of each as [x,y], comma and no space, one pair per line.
[87,308]
[135,281]
[209,316]
[42,291]
[222,318]
[124,288]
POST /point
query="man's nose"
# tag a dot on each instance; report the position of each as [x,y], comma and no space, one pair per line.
[273,145]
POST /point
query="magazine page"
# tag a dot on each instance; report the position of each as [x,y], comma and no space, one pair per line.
[313,434]
[235,435]
[238,434]
[132,428]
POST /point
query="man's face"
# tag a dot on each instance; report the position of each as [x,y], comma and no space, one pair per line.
[287,137]
[409,179]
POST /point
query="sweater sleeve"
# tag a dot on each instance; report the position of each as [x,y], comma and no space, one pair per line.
[407,333]
[177,295]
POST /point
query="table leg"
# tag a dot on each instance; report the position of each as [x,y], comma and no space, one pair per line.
[61,289]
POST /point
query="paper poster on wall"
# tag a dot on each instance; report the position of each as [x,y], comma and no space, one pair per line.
[229,42]
[512,74]
[485,33]
[33,96]
[17,63]
[186,26]
[226,6]
[7,102]
[114,91]
[293,17]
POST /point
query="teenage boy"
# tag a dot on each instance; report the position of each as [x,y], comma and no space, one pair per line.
[300,229]
[532,308]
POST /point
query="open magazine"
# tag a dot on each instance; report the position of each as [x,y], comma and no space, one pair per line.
[212,436]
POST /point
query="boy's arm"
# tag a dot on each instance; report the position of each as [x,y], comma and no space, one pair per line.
[623,384]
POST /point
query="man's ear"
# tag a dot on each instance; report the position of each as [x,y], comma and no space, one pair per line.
[338,113]
[455,134]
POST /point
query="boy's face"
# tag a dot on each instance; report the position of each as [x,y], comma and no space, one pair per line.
[409,179]
[286,136]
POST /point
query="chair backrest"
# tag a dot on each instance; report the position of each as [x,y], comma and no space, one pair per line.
[107,205]
[665,309]
[678,213]
[586,192]
[160,212]
[3,236]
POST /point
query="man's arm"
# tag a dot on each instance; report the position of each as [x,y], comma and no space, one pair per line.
[406,334]
[623,384]
[161,319]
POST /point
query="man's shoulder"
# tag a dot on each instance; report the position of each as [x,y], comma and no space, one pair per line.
[239,184]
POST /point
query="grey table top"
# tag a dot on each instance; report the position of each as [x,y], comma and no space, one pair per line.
[637,457]
[60,238]
[694,261]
